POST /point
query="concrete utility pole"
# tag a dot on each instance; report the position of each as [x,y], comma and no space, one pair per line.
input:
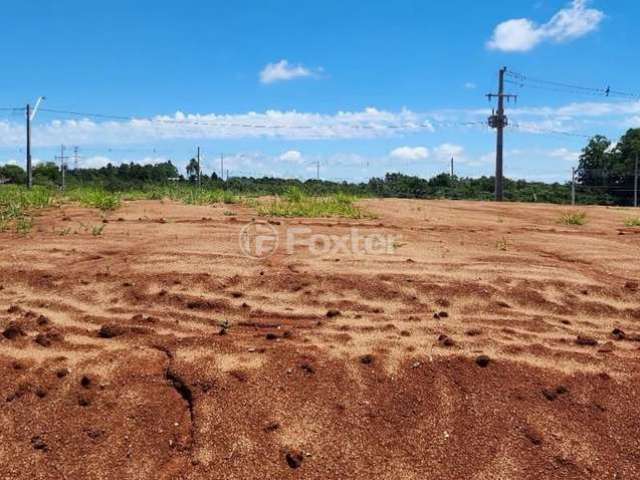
[317,169]
[75,158]
[451,171]
[29,169]
[498,120]
[573,185]
[63,166]
[30,114]
[222,167]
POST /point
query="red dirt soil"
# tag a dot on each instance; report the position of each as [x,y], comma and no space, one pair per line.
[493,343]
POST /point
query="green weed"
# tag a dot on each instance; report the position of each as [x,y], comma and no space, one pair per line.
[297,204]
[573,218]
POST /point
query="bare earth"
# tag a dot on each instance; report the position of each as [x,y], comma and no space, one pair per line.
[112,364]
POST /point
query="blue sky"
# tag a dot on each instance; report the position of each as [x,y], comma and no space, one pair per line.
[360,87]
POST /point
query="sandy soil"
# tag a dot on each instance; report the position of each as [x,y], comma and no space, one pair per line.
[339,366]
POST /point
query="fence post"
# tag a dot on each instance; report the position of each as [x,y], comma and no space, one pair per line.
[573,185]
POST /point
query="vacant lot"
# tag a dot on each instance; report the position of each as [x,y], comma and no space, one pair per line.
[492,342]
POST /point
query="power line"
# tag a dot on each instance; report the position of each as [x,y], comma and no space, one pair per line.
[525,80]
[536,130]
[425,124]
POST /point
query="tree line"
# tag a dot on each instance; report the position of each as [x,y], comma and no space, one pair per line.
[605,175]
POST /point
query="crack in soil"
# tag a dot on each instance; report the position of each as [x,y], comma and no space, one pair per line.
[182,388]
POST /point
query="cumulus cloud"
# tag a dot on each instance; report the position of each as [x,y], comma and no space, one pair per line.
[523,34]
[470,86]
[291,156]
[447,150]
[283,71]
[410,153]
[565,154]
[365,124]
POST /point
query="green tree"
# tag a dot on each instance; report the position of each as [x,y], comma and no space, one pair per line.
[192,170]
[13,173]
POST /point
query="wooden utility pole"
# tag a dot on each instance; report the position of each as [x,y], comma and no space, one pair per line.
[29,167]
[573,185]
[498,120]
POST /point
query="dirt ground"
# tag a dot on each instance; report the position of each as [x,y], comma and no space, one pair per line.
[491,343]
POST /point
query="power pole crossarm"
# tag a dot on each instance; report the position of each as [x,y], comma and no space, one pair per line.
[499,121]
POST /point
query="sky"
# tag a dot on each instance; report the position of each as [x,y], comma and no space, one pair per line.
[350,88]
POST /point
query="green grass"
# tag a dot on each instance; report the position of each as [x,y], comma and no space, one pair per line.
[573,218]
[185,194]
[17,205]
[95,198]
[632,222]
[296,203]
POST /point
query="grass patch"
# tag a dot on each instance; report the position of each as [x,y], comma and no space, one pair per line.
[185,194]
[573,218]
[17,203]
[632,222]
[296,203]
[95,198]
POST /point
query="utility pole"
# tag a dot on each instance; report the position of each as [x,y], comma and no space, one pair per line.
[29,169]
[75,158]
[573,185]
[198,160]
[498,120]
[30,114]
[317,169]
[451,172]
[227,174]
[635,184]
[222,167]
[63,166]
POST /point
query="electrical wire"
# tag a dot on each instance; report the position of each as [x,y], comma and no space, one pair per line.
[525,80]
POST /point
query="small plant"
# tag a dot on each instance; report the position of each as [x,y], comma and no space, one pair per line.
[632,222]
[224,327]
[23,225]
[97,230]
[573,218]
[229,213]
[502,244]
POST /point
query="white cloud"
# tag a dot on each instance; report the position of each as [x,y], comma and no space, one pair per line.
[365,124]
[470,86]
[291,156]
[283,71]
[565,154]
[96,161]
[522,34]
[448,150]
[410,153]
